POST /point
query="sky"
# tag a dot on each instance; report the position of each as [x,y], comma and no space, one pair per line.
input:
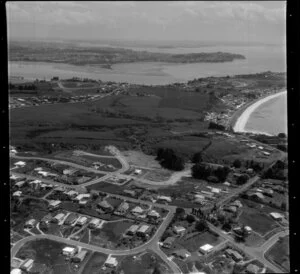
[228,21]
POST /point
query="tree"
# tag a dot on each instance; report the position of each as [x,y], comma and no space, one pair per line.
[201,225]
[201,171]
[180,212]
[197,158]
[281,135]
[221,173]
[226,226]
[237,163]
[242,179]
[157,270]
[190,218]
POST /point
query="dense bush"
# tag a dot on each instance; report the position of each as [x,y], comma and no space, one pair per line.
[206,172]
[168,159]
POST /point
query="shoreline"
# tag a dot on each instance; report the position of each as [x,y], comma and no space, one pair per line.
[241,117]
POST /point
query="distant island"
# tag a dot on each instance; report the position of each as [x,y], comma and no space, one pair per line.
[107,56]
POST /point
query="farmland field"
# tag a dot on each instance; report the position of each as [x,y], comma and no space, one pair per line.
[279,253]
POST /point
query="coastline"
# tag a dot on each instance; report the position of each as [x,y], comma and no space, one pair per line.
[241,117]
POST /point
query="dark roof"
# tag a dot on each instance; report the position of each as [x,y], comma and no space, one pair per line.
[169,240]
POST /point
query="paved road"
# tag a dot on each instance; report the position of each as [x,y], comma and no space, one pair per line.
[238,191]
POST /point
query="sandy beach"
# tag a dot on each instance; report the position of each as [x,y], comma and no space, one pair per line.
[242,120]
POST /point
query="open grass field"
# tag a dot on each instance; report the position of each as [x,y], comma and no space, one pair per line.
[192,244]
[87,160]
[46,252]
[94,263]
[110,233]
[257,217]
[279,253]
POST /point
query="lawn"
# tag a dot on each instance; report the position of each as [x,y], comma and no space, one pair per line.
[279,253]
[145,262]
[110,233]
[47,252]
[258,220]
[94,263]
[192,244]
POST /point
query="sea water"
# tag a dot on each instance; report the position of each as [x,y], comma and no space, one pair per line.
[269,117]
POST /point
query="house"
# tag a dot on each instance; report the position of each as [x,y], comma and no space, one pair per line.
[71,219]
[111,262]
[226,184]
[58,218]
[181,253]
[248,229]
[168,242]
[231,209]
[17,193]
[46,219]
[94,223]
[59,189]
[153,214]
[81,221]
[30,223]
[20,164]
[132,230]
[122,209]
[252,268]
[130,192]
[143,230]
[164,198]
[82,196]
[35,184]
[20,184]
[38,169]
[137,210]
[54,204]
[258,195]
[72,193]
[80,256]
[266,153]
[69,251]
[16,271]
[26,266]
[106,206]
[237,203]
[205,249]
[234,255]
[70,171]
[138,172]
[277,216]
[179,230]
[83,179]
[14,177]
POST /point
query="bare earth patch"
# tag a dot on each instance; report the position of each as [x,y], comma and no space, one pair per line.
[138,158]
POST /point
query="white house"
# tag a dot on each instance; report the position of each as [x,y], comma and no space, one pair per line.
[20,164]
[111,262]
[17,193]
[206,248]
[277,216]
[69,251]
[165,198]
